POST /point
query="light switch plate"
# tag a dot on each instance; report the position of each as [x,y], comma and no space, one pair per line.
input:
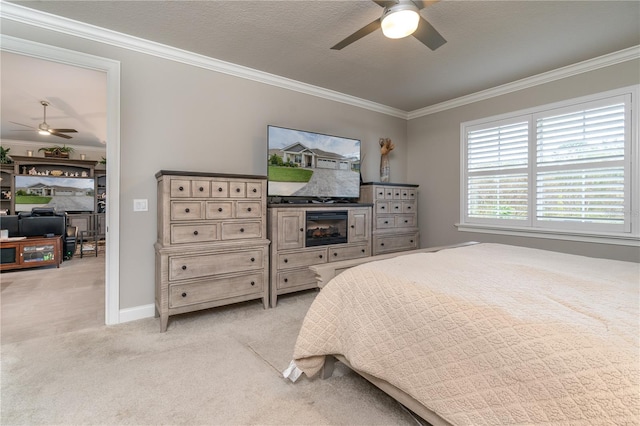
[140,205]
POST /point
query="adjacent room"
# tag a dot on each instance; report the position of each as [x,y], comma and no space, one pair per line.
[320,212]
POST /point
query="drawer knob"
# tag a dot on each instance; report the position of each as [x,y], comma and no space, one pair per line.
[386,221]
[181,188]
[186,210]
[397,207]
[248,209]
[320,256]
[388,193]
[408,207]
[406,221]
[195,232]
[382,207]
[353,226]
[411,241]
[335,254]
[184,267]
[237,189]
[255,190]
[397,194]
[363,250]
[184,294]
[219,209]
[253,259]
[379,193]
[241,229]
[301,230]
[201,189]
[286,261]
[219,189]
[381,244]
[253,283]
[286,280]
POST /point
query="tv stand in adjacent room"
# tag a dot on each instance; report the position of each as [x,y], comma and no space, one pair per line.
[292,247]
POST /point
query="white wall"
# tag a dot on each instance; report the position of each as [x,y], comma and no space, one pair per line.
[180,117]
[434,160]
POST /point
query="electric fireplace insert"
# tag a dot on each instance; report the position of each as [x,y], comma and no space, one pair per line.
[326,228]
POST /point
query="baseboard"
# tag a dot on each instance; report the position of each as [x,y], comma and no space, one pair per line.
[137,312]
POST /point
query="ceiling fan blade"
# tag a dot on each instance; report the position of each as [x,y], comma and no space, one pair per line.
[428,35]
[368,29]
[383,3]
[63,130]
[19,124]
[421,4]
[60,135]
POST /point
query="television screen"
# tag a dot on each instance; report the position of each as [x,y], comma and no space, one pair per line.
[65,194]
[312,165]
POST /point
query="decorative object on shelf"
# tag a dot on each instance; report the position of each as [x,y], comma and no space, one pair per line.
[386,146]
[4,156]
[29,153]
[56,173]
[103,161]
[83,156]
[57,151]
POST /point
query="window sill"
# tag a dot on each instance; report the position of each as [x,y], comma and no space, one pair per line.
[620,240]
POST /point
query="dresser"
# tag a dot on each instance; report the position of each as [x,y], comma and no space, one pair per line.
[212,247]
[395,216]
[305,235]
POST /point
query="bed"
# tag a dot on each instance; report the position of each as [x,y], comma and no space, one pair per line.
[486,334]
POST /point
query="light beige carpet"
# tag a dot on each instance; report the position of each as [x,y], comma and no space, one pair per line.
[218,367]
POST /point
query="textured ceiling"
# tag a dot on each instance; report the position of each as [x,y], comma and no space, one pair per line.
[489,43]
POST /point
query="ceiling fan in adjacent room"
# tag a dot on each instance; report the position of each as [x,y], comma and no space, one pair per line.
[45,130]
[400,19]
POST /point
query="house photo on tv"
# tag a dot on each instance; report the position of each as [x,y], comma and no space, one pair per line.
[312,165]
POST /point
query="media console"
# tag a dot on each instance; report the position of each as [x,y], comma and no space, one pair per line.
[303,235]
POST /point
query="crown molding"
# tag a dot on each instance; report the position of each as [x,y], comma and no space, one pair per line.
[536,80]
[67,26]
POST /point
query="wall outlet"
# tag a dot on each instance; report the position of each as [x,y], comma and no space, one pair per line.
[140,205]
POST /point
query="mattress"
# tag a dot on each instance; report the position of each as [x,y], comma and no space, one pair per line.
[489,334]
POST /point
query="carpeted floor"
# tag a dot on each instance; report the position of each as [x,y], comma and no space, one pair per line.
[218,367]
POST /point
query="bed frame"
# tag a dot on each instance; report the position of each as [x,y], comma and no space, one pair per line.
[324,273]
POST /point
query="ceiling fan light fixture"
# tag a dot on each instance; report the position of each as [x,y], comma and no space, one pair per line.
[44,132]
[400,20]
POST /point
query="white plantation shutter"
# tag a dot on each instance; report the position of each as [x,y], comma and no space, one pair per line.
[497,178]
[580,170]
[562,169]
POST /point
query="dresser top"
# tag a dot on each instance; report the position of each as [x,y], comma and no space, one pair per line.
[206,174]
[408,185]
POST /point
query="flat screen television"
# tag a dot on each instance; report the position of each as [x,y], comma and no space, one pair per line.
[312,166]
[65,194]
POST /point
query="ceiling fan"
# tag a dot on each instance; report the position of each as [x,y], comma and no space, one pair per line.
[45,130]
[400,19]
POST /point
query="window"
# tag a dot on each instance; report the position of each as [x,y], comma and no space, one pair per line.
[563,168]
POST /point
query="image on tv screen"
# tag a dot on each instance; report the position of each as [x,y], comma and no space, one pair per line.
[314,165]
[70,194]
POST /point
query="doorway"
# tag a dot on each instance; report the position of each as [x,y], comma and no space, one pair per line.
[112,70]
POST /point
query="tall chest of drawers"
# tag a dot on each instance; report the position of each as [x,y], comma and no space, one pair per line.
[395,216]
[212,247]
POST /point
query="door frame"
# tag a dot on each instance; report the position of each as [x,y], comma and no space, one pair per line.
[112,70]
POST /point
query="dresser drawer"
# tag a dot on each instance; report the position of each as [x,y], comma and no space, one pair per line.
[180,188]
[306,258]
[248,209]
[239,230]
[203,265]
[214,289]
[350,252]
[405,221]
[200,188]
[408,207]
[193,233]
[295,278]
[408,194]
[186,210]
[385,222]
[391,243]
[254,190]
[395,207]
[219,188]
[219,209]
[237,189]
[383,207]
[378,193]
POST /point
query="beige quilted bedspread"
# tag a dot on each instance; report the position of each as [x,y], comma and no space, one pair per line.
[489,334]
